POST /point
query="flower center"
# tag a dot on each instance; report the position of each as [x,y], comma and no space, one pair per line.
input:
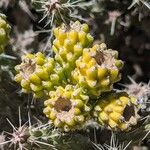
[99,57]
[28,68]
[62,104]
[128,112]
[105,59]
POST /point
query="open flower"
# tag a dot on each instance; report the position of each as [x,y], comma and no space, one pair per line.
[97,69]
[69,43]
[67,107]
[38,74]
[117,111]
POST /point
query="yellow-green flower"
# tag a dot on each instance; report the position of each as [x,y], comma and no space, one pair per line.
[38,74]
[69,43]
[117,111]
[67,107]
[97,69]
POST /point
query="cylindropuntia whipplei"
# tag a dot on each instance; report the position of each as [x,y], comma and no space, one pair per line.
[117,111]
[93,71]
[67,107]
[97,69]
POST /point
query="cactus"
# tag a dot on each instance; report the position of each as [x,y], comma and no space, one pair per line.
[77,78]
[38,74]
[77,87]
[4,32]
[69,43]
[117,111]
[67,107]
[97,69]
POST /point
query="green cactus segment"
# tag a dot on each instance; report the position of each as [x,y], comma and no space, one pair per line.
[69,43]
[38,74]
[117,111]
[4,32]
[67,107]
[97,69]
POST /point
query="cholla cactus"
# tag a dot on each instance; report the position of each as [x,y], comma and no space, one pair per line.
[117,111]
[38,74]
[4,32]
[67,107]
[69,43]
[77,79]
[97,69]
[74,77]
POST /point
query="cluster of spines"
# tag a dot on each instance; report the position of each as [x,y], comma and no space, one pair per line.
[4,32]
